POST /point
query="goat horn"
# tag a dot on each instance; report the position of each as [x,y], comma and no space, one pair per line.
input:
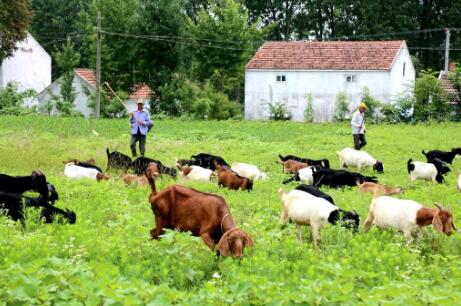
[453,225]
[355,211]
[438,206]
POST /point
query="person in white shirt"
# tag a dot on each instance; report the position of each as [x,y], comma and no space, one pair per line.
[358,127]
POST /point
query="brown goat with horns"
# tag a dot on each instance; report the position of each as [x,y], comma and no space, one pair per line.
[205,215]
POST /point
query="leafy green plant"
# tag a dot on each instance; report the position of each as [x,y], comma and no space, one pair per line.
[12,100]
[309,111]
[430,98]
[277,110]
[342,106]
[372,104]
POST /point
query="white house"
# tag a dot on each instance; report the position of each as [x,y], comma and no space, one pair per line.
[84,85]
[29,66]
[289,71]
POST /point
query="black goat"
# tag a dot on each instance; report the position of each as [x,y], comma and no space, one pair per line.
[441,166]
[324,163]
[139,166]
[443,155]
[315,192]
[13,207]
[117,160]
[52,193]
[19,184]
[339,178]
[208,161]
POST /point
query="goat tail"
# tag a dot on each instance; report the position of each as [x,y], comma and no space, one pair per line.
[410,166]
[281,157]
[108,153]
[424,153]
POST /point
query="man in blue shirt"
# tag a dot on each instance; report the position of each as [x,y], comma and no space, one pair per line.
[140,122]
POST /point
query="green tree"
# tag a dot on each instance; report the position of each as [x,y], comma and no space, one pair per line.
[67,59]
[342,106]
[309,111]
[15,16]
[12,99]
[371,103]
[430,97]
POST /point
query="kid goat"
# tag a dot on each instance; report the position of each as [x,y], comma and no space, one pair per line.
[407,216]
[306,209]
[231,180]
[205,215]
[75,172]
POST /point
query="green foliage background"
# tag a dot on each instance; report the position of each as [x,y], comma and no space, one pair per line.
[107,256]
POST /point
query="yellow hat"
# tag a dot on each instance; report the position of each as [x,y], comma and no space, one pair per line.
[362,105]
[140,101]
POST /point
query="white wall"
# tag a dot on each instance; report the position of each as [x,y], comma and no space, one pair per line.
[81,100]
[324,85]
[398,80]
[29,65]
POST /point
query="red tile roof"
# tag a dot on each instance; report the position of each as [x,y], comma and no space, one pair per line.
[141,91]
[87,74]
[329,55]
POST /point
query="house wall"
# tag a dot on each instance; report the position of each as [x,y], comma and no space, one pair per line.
[323,85]
[29,65]
[80,102]
[131,103]
[400,82]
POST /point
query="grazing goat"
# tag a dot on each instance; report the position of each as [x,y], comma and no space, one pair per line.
[19,184]
[86,164]
[378,189]
[139,166]
[52,193]
[205,215]
[231,180]
[117,160]
[443,155]
[359,159]
[194,173]
[424,171]
[339,178]
[440,165]
[207,161]
[305,175]
[305,209]
[291,166]
[407,216]
[323,163]
[249,171]
[12,205]
[75,172]
[315,192]
[459,182]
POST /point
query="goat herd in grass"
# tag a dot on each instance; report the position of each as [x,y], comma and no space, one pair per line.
[208,215]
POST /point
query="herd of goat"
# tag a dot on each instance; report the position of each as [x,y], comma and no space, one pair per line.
[208,216]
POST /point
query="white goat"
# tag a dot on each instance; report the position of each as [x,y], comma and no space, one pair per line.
[459,182]
[306,209]
[73,171]
[195,173]
[249,171]
[359,159]
[424,171]
[407,216]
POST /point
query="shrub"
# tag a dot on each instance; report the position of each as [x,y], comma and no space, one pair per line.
[430,98]
[372,104]
[277,110]
[342,106]
[309,111]
[12,100]
[402,110]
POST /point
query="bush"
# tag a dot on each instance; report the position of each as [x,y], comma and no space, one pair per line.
[402,110]
[342,106]
[430,98]
[277,110]
[309,111]
[12,100]
[372,104]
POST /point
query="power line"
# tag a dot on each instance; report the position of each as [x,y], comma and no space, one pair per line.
[387,34]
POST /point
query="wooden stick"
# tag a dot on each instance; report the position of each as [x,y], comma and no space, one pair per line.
[120,100]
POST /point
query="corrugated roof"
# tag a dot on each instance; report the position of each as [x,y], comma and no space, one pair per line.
[330,55]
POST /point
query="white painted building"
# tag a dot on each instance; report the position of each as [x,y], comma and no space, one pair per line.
[29,66]
[84,85]
[289,71]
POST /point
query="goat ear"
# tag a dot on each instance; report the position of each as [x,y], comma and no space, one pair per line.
[248,241]
[223,245]
[437,223]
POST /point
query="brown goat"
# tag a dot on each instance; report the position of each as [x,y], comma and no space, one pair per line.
[378,189]
[231,180]
[292,166]
[129,179]
[205,215]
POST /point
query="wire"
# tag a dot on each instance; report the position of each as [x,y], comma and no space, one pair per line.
[387,34]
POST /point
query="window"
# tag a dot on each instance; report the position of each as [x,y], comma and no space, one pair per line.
[403,68]
[281,78]
[351,78]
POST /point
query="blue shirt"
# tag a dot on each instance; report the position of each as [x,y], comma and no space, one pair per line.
[144,118]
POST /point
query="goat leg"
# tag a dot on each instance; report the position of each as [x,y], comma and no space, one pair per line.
[208,240]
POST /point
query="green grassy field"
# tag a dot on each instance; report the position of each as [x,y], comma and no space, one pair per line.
[107,257]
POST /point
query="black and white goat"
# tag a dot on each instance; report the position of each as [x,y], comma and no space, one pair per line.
[424,171]
[339,178]
[204,160]
[315,192]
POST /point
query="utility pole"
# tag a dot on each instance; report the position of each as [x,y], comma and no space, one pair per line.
[447,49]
[97,107]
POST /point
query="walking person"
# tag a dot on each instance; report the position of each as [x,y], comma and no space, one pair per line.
[358,127]
[140,126]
